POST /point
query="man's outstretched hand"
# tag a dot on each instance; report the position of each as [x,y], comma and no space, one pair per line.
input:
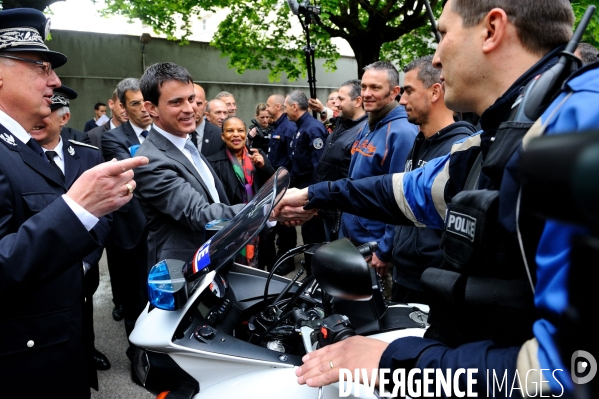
[106,187]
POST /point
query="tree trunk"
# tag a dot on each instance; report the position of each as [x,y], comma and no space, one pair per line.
[366,52]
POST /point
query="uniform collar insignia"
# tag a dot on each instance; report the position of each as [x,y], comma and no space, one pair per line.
[71,150]
[9,139]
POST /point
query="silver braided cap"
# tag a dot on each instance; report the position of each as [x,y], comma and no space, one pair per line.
[17,37]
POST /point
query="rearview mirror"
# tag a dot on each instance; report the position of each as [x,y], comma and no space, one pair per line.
[341,271]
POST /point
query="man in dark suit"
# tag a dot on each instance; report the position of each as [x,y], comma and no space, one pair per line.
[216,113]
[206,136]
[45,230]
[126,249]
[99,111]
[118,117]
[71,158]
[179,192]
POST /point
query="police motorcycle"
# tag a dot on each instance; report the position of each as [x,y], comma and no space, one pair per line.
[214,328]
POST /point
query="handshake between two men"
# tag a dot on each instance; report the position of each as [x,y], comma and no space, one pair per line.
[290,209]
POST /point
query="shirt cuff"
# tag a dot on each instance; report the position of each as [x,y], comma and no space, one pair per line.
[326,114]
[88,220]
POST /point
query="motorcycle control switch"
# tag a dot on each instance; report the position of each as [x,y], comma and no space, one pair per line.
[204,333]
[334,328]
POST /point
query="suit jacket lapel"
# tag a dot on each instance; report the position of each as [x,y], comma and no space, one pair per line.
[175,154]
[131,133]
[39,164]
[209,139]
[30,157]
[220,189]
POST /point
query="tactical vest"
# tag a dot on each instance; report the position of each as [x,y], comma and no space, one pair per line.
[484,288]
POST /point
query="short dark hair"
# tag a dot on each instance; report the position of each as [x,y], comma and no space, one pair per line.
[158,74]
[222,129]
[427,73]
[298,97]
[588,53]
[392,74]
[125,85]
[355,88]
[541,25]
[98,105]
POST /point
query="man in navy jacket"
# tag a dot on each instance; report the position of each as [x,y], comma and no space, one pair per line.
[45,230]
[416,249]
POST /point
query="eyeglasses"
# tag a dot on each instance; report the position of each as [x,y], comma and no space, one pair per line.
[46,66]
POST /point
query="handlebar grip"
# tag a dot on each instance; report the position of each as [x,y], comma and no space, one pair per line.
[367,249]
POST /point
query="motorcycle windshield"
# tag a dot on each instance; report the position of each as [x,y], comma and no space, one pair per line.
[226,243]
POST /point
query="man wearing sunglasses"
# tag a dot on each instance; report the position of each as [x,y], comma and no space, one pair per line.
[45,230]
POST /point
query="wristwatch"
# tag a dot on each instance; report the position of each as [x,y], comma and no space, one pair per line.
[323,114]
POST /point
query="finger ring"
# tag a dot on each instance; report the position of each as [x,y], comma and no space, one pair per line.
[129,188]
[331,364]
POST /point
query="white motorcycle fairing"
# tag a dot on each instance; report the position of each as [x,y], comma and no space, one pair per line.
[216,327]
[236,376]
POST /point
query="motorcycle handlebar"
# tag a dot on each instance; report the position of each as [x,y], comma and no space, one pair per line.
[367,249]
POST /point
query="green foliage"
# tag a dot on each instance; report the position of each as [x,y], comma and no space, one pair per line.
[255,35]
[164,16]
[418,43]
[591,35]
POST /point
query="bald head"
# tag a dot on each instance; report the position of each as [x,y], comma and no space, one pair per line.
[216,112]
[200,103]
[275,106]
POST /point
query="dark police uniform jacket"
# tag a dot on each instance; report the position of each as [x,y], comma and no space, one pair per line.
[306,148]
[336,157]
[280,140]
[42,243]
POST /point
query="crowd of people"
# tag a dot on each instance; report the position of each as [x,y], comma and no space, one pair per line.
[378,162]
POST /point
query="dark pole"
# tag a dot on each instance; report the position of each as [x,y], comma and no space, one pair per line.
[310,65]
[431,17]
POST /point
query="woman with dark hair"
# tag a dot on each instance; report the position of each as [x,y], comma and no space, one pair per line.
[242,171]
